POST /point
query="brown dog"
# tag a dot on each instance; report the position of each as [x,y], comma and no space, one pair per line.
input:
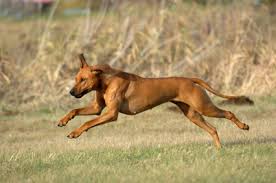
[127,93]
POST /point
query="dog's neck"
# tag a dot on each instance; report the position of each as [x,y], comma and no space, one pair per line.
[106,78]
[104,82]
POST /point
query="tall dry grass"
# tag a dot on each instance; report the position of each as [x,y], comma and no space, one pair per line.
[231,46]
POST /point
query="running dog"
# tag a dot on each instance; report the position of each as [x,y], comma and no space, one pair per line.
[122,92]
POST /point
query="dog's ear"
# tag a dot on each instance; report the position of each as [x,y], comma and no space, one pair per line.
[96,71]
[99,69]
[83,61]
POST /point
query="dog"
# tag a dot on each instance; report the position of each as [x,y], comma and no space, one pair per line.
[122,92]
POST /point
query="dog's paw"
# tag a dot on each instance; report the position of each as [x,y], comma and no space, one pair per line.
[63,122]
[74,134]
[60,124]
[245,127]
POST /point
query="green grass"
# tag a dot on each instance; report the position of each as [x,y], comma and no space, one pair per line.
[192,163]
[155,146]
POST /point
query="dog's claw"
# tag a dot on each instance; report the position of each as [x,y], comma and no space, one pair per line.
[245,127]
[61,124]
[70,136]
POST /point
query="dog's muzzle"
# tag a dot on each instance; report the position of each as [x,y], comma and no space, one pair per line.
[72,92]
[79,95]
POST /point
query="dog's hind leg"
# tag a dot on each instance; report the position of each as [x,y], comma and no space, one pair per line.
[213,111]
[197,119]
[201,102]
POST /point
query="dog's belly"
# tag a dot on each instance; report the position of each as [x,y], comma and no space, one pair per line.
[135,107]
[147,94]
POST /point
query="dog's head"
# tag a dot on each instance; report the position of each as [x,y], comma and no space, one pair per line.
[86,80]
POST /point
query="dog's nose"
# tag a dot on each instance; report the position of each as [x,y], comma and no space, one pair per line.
[72,92]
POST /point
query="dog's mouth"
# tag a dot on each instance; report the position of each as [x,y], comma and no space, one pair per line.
[81,94]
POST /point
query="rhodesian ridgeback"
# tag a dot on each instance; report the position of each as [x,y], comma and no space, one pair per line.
[122,92]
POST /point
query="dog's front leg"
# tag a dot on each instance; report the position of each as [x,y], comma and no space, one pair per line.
[113,100]
[94,109]
[105,118]
[90,110]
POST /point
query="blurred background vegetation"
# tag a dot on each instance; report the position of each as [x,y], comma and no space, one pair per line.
[230,44]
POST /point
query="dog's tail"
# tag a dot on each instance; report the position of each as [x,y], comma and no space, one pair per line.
[210,89]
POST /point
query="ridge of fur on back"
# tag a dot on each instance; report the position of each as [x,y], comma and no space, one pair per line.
[105,68]
[108,70]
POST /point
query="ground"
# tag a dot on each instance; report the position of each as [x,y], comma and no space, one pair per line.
[156,146]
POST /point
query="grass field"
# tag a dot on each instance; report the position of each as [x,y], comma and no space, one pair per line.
[155,146]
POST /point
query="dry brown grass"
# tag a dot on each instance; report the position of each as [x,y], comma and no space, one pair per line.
[232,47]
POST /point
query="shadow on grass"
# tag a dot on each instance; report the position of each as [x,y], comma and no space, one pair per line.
[170,130]
[267,140]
